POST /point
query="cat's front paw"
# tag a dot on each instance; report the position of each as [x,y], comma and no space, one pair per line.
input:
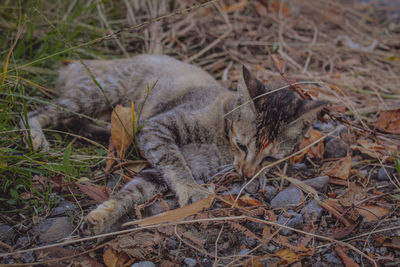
[39,140]
[99,221]
[188,194]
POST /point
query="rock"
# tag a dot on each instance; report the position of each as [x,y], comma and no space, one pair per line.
[314,210]
[270,192]
[143,264]
[244,251]
[235,189]
[382,175]
[296,221]
[7,234]
[53,229]
[319,183]
[335,148]
[331,258]
[28,257]
[64,208]
[22,241]
[190,262]
[291,196]
[253,187]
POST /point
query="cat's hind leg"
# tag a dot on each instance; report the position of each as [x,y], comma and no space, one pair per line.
[141,189]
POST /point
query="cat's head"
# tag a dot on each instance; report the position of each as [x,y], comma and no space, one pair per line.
[268,127]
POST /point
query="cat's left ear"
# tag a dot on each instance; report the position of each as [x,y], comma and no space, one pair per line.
[309,109]
[255,88]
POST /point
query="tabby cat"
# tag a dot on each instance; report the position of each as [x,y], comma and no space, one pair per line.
[191,124]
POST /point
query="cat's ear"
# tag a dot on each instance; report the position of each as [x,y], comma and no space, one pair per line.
[254,86]
[309,109]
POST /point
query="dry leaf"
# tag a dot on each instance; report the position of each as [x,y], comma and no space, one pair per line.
[261,10]
[348,262]
[339,168]
[372,212]
[374,150]
[113,259]
[276,7]
[340,233]
[389,121]
[242,202]
[354,194]
[136,166]
[122,130]
[239,6]
[96,192]
[316,151]
[176,214]
[279,63]
[333,206]
[288,256]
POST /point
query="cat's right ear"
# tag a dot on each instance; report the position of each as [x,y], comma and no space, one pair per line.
[255,88]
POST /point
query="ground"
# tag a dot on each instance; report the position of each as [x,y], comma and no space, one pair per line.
[338,199]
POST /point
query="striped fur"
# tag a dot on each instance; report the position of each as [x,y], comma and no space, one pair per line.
[186,132]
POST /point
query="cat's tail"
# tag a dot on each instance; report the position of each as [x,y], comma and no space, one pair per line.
[138,191]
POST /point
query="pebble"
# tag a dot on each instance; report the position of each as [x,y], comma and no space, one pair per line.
[53,229]
[190,262]
[22,241]
[244,251]
[253,187]
[382,175]
[289,197]
[143,264]
[7,234]
[295,222]
[28,257]
[331,258]
[336,148]
[314,210]
[270,192]
[318,183]
[64,208]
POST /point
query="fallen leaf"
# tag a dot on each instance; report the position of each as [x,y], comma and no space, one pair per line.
[96,192]
[110,155]
[138,245]
[176,214]
[112,258]
[372,212]
[279,63]
[260,9]
[288,256]
[277,6]
[316,151]
[353,194]
[374,150]
[348,262]
[339,168]
[389,121]
[340,233]
[242,202]
[239,6]
[333,206]
[122,129]
[136,166]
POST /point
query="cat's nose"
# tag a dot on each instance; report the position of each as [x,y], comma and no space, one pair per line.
[249,171]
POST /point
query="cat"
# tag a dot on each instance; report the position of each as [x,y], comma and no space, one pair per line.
[191,125]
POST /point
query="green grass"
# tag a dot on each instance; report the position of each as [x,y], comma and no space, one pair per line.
[38,31]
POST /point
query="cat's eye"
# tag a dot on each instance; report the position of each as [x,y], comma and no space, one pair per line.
[268,159]
[242,147]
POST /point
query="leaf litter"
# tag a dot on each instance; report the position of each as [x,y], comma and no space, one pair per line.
[288,41]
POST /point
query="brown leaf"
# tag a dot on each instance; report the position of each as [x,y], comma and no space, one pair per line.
[389,121]
[341,233]
[261,9]
[316,151]
[113,259]
[354,194]
[339,168]
[96,192]
[277,6]
[374,150]
[279,63]
[372,212]
[242,202]
[176,214]
[348,262]
[288,256]
[338,211]
[239,6]
[122,129]
[136,166]
[110,155]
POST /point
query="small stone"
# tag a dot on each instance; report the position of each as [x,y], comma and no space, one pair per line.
[22,241]
[382,174]
[336,148]
[64,208]
[314,210]
[331,258]
[143,264]
[295,222]
[318,183]
[235,189]
[28,257]
[244,251]
[190,262]
[53,229]
[253,187]
[271,248]
[7,234]
[270,192]
[289,197]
